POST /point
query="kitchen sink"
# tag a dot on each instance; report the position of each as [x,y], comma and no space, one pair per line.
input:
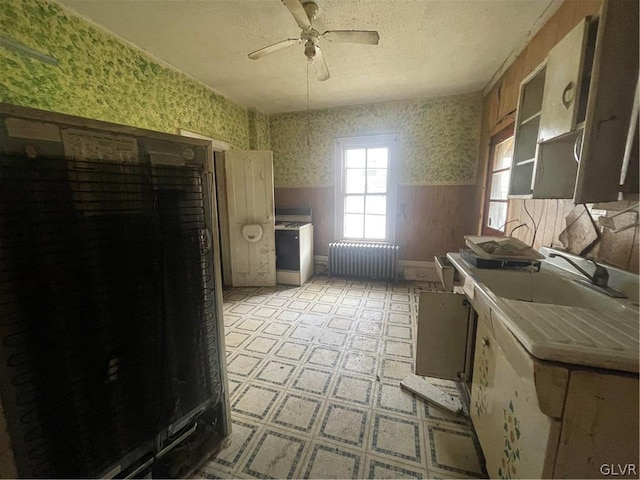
[545,287]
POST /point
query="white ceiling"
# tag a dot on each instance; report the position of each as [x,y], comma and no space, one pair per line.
[427,47]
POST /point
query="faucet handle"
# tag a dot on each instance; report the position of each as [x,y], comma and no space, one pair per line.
[601,275]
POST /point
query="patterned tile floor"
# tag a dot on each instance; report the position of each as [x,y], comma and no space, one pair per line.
[313,378]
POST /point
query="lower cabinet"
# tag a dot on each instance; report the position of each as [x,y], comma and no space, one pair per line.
[518,440]
[538,419]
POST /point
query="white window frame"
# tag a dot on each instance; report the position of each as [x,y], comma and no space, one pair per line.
[390,141]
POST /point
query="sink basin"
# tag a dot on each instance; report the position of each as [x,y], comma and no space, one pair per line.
[544,287]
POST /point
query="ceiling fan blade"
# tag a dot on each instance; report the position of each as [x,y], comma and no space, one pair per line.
[367,37]
[273,48]
[322,72]
[297,10]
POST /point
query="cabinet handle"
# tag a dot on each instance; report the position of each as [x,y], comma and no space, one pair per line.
[485,342]
[577,146]
[567,95]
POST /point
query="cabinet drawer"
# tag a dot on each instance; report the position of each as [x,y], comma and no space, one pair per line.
[446,272]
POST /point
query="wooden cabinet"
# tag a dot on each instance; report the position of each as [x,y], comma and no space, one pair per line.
[575,109]
[539,419]
[518,440]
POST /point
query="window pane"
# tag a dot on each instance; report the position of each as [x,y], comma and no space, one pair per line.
[503,154]
[500,185]
[354,204]
[375,227]
[354,182]
[377,204]
[376,180]
[355,158]
[497,215]
[377,157]
[353,225]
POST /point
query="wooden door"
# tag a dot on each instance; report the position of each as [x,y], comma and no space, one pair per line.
[249,183]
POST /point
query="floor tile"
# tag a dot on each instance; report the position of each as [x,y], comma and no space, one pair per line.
[397,348]
[369,327]
[276,372]
[364,343]
[452,450]
[327,461]
[288,315]
[358,362]
[312,380]
[255,401]
[393,399]
[243,364]
[332,338]
[396,331]
[324,356]
[276,455]
[369,314]
[250,324]
[260,344]
[403,318]
[353,389]
[340,323]
[297,412]
[314,377]
[291,351]
[276,328]
[396,437]
[387,469]
[344,424]
[235,339]
[241,436]
[395,369]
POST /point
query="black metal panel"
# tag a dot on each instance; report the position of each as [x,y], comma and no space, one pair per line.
[106,310]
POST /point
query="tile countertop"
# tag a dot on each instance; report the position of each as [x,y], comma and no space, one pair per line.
[572,335]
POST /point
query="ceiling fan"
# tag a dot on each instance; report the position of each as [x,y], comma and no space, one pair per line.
[304,12]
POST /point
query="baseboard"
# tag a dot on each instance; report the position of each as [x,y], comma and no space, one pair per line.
[408,269]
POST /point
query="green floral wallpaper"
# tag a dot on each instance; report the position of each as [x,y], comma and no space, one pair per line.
[440,138]
[100,77]
[259,138]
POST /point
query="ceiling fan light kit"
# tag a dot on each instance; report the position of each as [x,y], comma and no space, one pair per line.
[304,13]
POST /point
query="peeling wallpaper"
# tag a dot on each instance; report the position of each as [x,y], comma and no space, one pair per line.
[440,138]
[101,77]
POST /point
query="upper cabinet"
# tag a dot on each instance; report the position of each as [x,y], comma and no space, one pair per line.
[575,110]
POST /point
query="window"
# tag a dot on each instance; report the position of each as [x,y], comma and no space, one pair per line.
[499,174]
[365,187]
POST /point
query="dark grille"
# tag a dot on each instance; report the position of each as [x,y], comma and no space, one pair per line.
[106,309]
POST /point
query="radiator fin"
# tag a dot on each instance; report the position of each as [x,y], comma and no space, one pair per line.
[366,260]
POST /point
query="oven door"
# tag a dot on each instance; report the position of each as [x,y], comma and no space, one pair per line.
[288,250]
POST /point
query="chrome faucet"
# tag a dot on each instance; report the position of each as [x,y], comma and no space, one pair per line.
[599,278]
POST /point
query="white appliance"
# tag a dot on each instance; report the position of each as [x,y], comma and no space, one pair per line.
[294,245]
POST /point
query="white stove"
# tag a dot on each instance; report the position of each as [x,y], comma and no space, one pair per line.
[294,245]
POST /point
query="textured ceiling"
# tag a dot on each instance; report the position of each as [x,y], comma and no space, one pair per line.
[427,47]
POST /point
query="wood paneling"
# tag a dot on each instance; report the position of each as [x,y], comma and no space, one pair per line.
[620,249]
[431,220]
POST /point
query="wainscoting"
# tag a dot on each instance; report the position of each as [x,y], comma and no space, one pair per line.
[431,219]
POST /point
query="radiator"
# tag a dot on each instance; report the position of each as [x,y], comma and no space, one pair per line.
[370,260]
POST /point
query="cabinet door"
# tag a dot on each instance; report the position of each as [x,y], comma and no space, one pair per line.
[518,440]
[611,98]
[563,84]
[443,320]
